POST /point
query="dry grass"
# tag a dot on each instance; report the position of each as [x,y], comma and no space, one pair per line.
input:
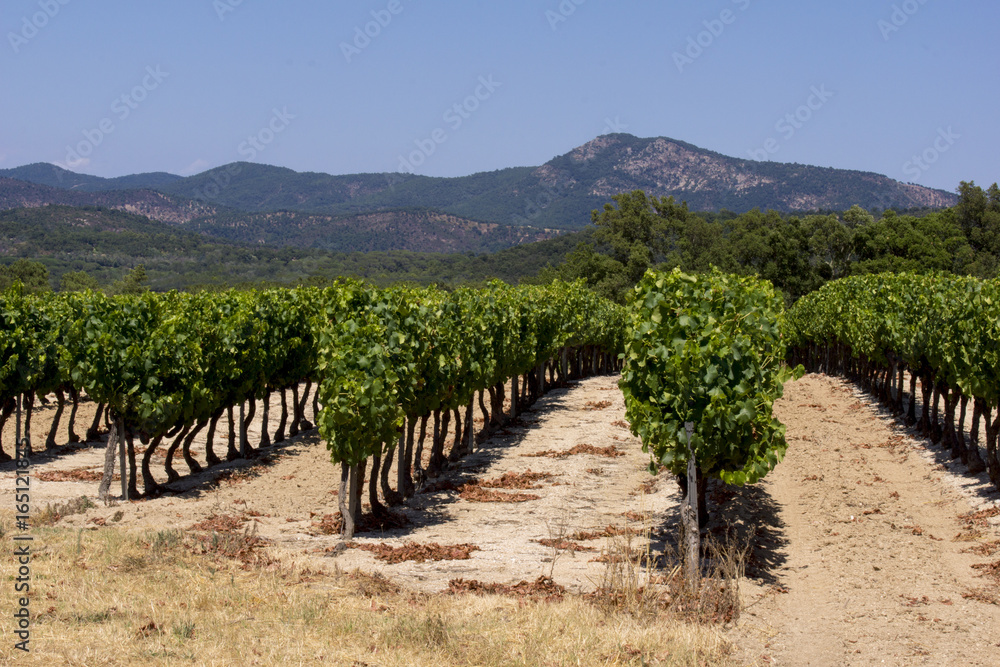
[542,588]
[108,597]
[245,547]
[53,513]
[644,585]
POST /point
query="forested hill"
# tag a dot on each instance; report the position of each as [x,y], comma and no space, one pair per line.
[559,194]
[107,243]
[412,229]
[54,176]
[155,205]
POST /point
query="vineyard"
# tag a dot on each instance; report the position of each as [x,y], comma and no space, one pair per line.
[382,367]
[166,367]
[940,330]
[476,442]
[381,362]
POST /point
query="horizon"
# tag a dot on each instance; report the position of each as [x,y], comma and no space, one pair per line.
[274,166]
[453,90]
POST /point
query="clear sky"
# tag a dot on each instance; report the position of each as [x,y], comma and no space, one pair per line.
[907,88]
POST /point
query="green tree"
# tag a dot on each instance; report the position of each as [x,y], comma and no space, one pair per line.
[897,243]
[637,234]
[857,216]
[775,249]
[33,275]
[77,281]
[978,214]
[831,243]
[973,203]
[135,282]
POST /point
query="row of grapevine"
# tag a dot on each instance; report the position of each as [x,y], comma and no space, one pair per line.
[707,351]
[393,358]
[168,367]
[942,330]
[159,366]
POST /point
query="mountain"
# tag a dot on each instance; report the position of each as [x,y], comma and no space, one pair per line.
[710,181]
[256,187]
[54,176]
[559,194]
[562,192]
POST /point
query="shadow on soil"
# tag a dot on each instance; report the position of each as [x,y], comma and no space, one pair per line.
[977,484]
[739,517]
[428,508]
[749,516]
[424,509]
[41,455]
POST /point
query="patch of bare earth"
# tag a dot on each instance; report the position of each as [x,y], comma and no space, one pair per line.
[522,518]
[867,547]
[519,519]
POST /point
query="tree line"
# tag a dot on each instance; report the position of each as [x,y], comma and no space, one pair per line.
[797,253]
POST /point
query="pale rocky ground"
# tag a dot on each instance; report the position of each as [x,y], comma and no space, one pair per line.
[855,558]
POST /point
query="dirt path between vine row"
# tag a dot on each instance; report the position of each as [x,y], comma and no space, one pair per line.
[287,500]
[862,558]
[859,555]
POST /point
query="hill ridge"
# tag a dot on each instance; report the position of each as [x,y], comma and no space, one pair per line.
[559,194]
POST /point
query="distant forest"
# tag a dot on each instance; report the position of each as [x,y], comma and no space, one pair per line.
[796,253]
[66,248]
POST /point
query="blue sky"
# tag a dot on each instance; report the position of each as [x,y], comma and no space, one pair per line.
[905,87]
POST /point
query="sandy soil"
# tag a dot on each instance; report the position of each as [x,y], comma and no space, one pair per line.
[859,555]
[586,493]
[290,495]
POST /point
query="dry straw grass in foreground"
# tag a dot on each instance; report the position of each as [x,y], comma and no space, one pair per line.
[646,585]
[109,597]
